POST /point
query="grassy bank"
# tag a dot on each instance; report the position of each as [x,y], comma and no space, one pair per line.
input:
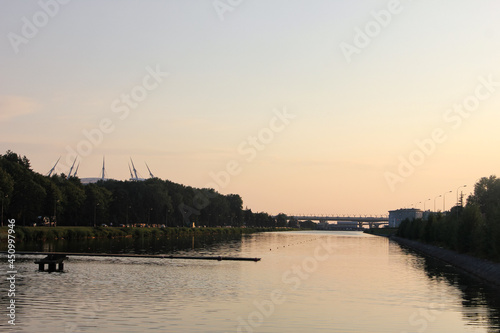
[74,233]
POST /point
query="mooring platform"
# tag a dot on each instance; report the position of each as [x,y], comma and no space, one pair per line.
[54,262]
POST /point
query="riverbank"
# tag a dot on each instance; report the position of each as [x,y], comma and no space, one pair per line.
[385,232]
[80,233]
[483,269]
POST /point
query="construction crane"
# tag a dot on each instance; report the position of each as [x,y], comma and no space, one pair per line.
[130,170]
[71,169]
[150,173]
[53,168]
[135,171]
[76,171]
[103,169]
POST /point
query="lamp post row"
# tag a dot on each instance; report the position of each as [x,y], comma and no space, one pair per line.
[444,199]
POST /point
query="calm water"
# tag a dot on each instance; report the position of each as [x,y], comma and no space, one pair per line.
[305,282]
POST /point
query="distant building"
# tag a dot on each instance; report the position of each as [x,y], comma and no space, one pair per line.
[91,180]
[323,225]
[340,225]
[397,216]
[347,224]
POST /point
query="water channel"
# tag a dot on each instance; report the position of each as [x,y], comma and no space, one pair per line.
[311,281]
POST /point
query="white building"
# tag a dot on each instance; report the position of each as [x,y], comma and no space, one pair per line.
[397,216]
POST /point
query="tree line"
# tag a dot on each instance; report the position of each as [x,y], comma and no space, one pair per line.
[28,197]
[473,229]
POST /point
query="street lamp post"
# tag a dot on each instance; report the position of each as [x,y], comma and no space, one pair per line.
[457,194]
[126,216]
[425,202]
[166,216]
[444,198]
[149,215]
[439,196]
[55,211]
[95,214]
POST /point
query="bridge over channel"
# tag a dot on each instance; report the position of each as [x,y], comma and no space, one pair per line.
[342,221]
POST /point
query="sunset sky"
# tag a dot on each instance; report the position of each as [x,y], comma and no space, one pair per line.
[325,107]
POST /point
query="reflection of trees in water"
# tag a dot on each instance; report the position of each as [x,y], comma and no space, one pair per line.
[205,243]
[141,245]
[474,293]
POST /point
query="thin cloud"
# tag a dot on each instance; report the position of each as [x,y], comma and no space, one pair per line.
[15,106]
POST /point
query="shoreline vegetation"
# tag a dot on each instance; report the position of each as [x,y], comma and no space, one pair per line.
[386,232]
[37,234]
[485,270]
[33,199]
[465,237]
[473,229]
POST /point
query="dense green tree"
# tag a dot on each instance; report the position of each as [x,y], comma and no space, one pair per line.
[487,197]
[428,234]
[6,189]
[473,229]
[293,223]
[73,199]
[29,196]
[281,220]
[248,218]
[468,231]
[51,205]
[96,205]
[263,220]
[308,224]
[235,209]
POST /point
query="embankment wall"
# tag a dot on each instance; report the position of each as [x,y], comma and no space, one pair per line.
[483,269]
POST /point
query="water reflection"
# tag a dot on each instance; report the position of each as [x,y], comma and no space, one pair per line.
[143,245]
[480,302]
[363,284]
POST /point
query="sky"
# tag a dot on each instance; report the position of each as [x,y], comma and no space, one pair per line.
[301,107]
